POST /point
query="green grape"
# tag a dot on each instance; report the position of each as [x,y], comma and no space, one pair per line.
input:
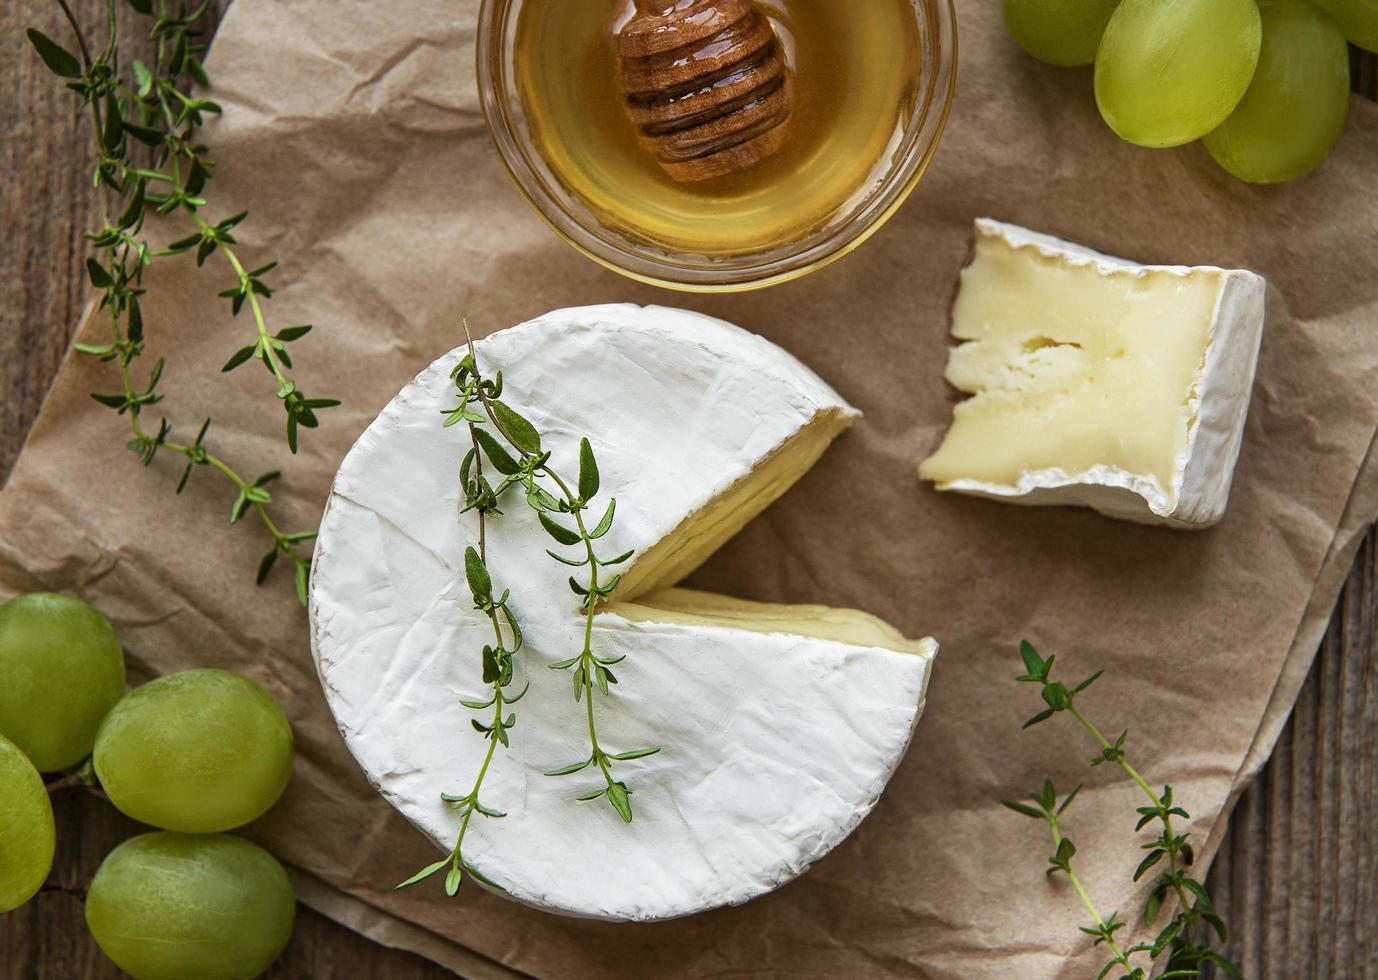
[1170,71]
[1358,19]
[27,836]
[61,670]
[1295,108]
[199,751]
[1060,32]
[191,907]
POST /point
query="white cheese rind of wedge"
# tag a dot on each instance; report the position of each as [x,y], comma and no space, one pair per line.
[1213,407]
[774,745]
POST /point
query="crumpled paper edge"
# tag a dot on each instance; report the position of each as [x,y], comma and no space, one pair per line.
[387,930]
[1361,510]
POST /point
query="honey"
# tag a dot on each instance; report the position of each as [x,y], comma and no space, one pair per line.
[854,70]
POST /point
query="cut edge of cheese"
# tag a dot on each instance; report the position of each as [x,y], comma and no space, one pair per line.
[692,607]
[1218,404]
[695,539]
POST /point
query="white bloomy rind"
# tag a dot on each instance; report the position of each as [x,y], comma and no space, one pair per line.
[774,746]
[1218,405]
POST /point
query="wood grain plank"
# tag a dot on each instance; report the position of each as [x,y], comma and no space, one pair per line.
[1297,875]
[45,201]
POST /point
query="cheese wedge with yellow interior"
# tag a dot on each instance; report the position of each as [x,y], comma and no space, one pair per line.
[1095,381]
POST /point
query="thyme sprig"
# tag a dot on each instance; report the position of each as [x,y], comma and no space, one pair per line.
[498,659]
[591,670]
[526,468]
[480,408]
[498,672]
[155,113]
[1193,903]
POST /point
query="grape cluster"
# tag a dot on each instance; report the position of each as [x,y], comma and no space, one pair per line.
[193,753]
[1264,84]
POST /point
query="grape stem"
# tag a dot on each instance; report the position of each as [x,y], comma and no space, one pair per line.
[63,889]
[69,781]
[84,777]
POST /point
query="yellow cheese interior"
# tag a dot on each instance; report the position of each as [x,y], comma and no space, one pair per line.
[1070,366]
[645,593]
[690,607]
[700,534]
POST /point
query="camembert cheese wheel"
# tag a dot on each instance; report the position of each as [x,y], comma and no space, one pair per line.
[778,725]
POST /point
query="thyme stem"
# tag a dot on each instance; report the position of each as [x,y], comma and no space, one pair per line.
[586,659]
[265,339]
[456,856]
[76,29]
[161,89]
[1183,901]
[1120,956]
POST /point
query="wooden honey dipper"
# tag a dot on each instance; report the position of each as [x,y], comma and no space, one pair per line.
[705,84]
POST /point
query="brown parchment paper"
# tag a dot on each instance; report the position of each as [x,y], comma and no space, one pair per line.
[352,133]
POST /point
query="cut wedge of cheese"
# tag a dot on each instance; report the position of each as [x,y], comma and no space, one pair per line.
[1097,381]
[779,725]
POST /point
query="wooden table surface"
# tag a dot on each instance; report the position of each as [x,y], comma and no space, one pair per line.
[1297,877]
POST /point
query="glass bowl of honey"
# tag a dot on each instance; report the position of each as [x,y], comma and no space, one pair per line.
[716,145]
